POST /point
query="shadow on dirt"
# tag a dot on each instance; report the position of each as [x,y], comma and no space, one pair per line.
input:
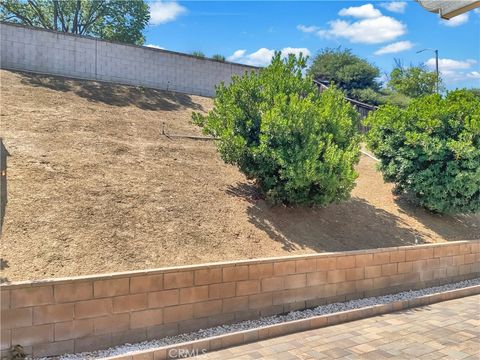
[351,225]
[113,94]
[450,227]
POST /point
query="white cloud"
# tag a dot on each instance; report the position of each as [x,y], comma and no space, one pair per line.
[237,55]
[162,12]
[371,26]
[155,46]
[473,75]
[260,57]
[454,70]
[307,29]
[296,51]
[456,21]
[366,31]
[396,47]
[450,64]
[395,6]
[263,56]
[366,11]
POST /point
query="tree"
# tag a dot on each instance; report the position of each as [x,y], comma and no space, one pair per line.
[413,81]
[299,145]
[218,57]
[198,54]
[345,70]
[475,91]
[431,150]
[115,20]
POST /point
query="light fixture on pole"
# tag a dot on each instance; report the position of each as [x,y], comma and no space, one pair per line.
[436,64]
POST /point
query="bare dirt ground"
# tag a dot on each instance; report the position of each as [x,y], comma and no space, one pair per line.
[94,187]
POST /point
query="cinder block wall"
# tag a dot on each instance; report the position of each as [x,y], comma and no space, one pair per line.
[50,52]
[51,317]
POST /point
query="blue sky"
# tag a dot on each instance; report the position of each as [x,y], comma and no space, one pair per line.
[380,31]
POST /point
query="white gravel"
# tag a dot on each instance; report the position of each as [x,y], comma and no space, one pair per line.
[251,324]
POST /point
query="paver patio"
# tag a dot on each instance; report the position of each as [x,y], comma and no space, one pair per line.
[449,330]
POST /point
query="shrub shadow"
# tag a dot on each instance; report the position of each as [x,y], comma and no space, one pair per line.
[450,227]
[112,94]
[351,225]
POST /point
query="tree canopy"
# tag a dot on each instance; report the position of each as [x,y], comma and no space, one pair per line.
[346,70]
[414,81]
[115,20]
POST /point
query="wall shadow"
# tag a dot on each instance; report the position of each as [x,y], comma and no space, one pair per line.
[112,94]
[351,225]
[450,227]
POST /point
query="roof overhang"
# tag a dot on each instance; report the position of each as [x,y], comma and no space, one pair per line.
[448,9]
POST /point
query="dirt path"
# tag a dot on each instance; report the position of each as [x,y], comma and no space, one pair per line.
[94,187]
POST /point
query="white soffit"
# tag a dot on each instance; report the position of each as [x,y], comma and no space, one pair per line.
[448,9]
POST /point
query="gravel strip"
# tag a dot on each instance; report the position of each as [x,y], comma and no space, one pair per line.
[271,320]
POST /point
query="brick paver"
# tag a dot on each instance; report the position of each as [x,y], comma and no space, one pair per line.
[446,330]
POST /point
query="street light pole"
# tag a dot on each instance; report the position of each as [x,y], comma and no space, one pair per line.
[436,66]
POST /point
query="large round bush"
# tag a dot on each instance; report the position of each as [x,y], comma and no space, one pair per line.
[431,150]
[300,146]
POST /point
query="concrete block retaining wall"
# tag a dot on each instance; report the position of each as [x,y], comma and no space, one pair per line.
[50,52]
[56,316]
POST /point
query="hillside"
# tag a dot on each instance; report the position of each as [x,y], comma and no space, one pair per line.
[95,187]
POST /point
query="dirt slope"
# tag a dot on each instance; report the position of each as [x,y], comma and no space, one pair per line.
[94,187]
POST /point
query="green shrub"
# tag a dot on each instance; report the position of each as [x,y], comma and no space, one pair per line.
[366,95]
[475,91]
[218,57]
[198,54]
[431,150]
[300,146]
[390,97]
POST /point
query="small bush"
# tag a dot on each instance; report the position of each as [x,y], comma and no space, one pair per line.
[367,95]
[198,54]
[218,57]
[300,146]
[387,96]
[431,150]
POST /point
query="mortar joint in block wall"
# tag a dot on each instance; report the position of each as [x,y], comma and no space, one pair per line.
[108,61]
[93,312]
